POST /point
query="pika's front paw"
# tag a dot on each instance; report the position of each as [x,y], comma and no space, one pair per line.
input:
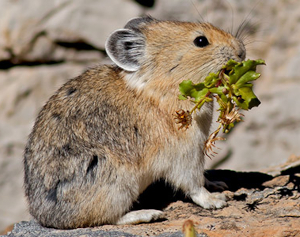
[209,200]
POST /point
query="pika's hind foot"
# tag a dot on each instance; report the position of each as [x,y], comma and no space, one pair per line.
[209,200]
[140,216]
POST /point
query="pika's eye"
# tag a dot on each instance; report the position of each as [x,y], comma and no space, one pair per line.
[201,41]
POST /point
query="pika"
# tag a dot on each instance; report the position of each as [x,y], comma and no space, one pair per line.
[107,134]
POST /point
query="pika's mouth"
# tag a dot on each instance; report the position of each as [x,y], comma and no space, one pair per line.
[221,69]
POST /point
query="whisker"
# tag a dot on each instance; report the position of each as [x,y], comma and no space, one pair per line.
[202,19]
[206,67]
[248,42]
[232,17]
[246,21]
[249,29]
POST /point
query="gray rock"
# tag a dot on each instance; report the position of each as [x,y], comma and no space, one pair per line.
[33,34]
[32,228]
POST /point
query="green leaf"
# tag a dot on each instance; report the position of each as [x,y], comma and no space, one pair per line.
[185,87]
[247,77]
[248,98]
[219,92]
[240,69]
[182,97]
[211,80]
[196,91]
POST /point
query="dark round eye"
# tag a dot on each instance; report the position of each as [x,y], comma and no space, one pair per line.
[201,41]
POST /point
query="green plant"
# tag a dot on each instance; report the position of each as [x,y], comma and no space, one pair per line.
[231,87]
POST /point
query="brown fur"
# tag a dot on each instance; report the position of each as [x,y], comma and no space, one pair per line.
[103,137]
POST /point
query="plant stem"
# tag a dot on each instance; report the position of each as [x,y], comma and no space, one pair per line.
[201,102]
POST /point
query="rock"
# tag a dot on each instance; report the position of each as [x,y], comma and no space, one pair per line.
[91,21]
[32,228]
[290,166]
[8,229]
[263,212]
[35,34]
[277,181]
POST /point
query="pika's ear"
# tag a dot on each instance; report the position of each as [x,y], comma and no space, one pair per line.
[138,22]
[126,48]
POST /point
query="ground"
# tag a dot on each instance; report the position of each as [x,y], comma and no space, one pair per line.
[260,204]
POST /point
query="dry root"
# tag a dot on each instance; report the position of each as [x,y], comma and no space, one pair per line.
[210,143]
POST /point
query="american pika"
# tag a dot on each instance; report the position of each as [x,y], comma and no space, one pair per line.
[107,134]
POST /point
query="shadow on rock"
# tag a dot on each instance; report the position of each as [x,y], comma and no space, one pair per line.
[293,177]
[236,180]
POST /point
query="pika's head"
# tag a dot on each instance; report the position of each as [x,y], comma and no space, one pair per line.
[177,50]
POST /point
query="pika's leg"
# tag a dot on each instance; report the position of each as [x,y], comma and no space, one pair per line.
[189,177]
[194,187]
[208,200]
[201,196]
[140,216]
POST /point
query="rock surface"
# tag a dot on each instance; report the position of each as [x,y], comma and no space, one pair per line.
[259,205]
[44,43]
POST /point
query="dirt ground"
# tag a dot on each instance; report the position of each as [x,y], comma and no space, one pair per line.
[260,204]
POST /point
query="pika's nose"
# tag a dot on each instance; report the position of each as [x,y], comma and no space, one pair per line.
[240,51]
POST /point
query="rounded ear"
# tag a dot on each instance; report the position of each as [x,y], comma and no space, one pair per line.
[136,23]
[126,47]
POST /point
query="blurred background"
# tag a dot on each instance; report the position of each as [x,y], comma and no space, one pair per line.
[45,43]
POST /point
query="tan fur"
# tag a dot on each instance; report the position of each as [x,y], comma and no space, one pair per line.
[109,133]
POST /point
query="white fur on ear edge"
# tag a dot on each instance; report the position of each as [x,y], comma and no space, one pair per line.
[125,48]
